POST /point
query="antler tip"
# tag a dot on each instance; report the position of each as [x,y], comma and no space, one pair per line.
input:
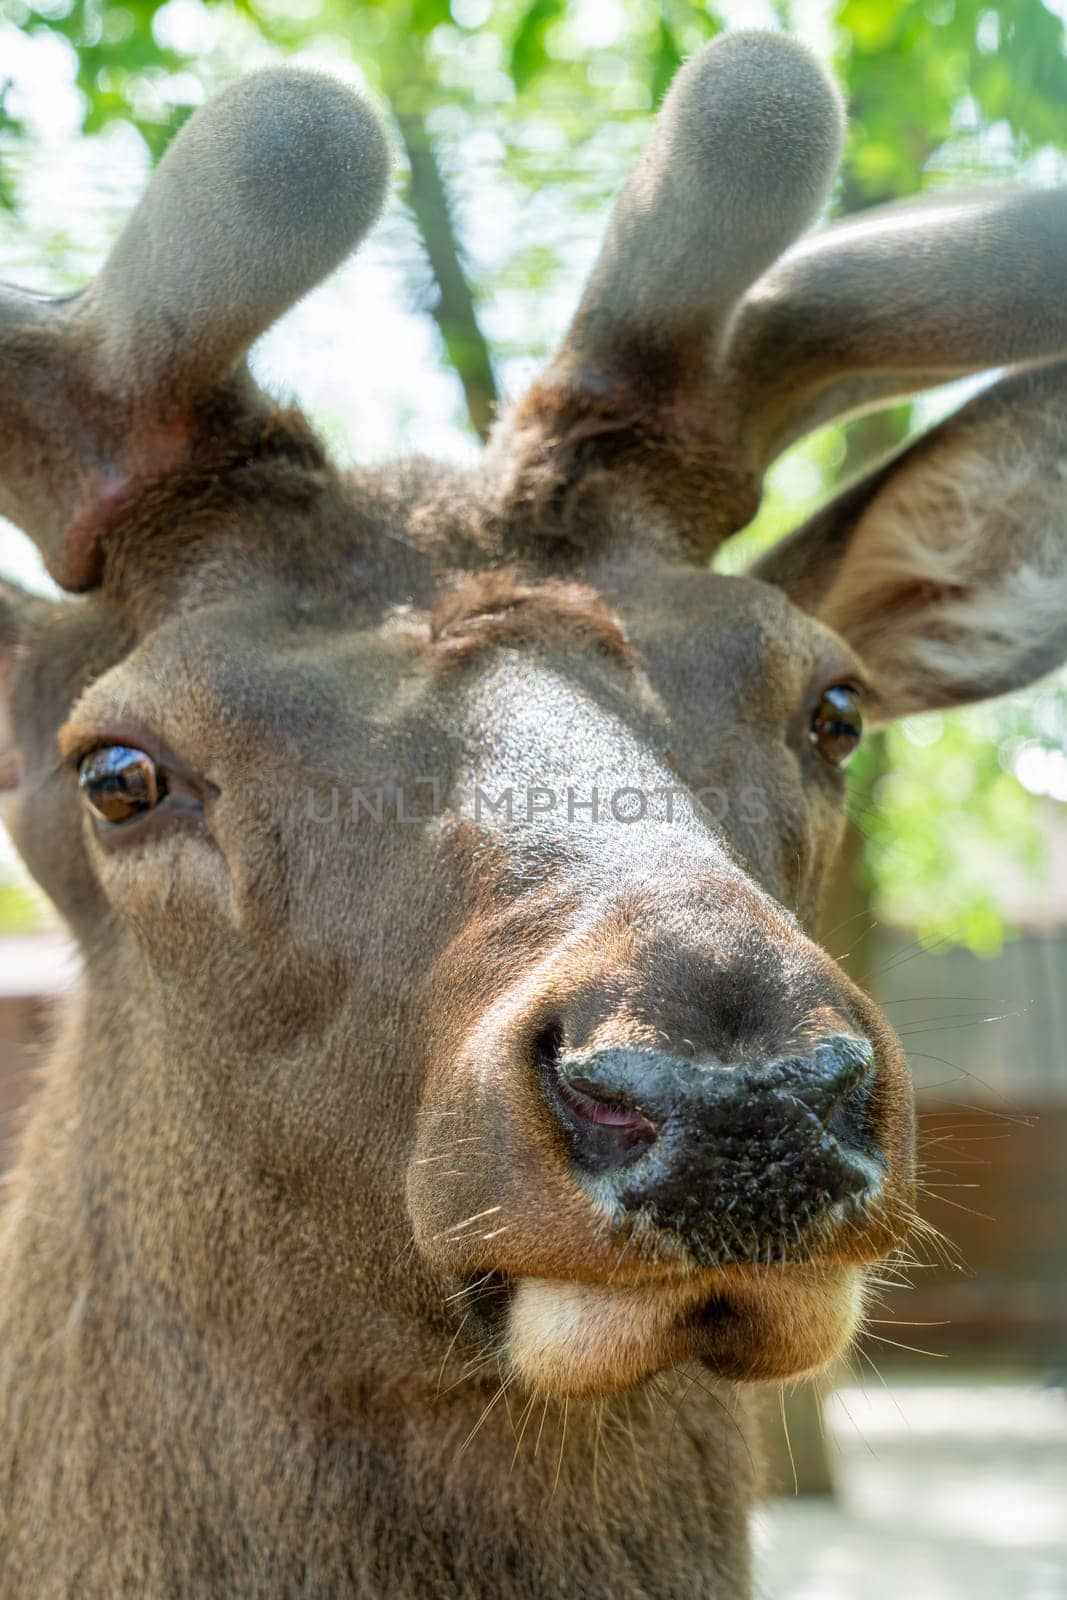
[768,98]
[264,191]
[299,148]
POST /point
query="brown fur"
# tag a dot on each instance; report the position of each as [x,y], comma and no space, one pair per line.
[500,607]
[301,1293]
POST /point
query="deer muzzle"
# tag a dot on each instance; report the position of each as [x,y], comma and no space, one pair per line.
[681,1133]
[742,1163]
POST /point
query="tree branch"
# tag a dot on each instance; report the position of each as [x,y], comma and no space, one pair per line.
[454,311]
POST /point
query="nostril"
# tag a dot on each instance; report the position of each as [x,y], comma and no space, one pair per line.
[836,1069]
[843,1074]
[549,1044]
[605,1131]
[578,1096]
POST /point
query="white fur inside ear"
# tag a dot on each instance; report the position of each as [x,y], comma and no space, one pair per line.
[955,582]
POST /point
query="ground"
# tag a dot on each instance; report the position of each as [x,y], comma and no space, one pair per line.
[944,1493]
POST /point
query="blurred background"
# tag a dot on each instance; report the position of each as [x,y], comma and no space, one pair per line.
[938,1467]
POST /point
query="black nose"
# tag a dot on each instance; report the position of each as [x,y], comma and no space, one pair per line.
[740,1161]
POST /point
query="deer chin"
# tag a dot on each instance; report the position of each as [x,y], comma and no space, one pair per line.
[577,1340]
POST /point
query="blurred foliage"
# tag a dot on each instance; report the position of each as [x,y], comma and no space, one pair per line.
[20,909]
[924,76]
[944,824]
[940,91]
[10,132]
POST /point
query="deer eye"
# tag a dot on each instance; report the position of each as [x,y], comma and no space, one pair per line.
[120,783]
[837,724]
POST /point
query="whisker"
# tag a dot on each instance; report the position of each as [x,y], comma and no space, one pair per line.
[840,1399]
[983,1216]
[524,1417]
[497,1396]
[899,1322]
[469,1288]
[448,1352]
[936,1355]
[788,1441]
[541,1428]
[478,1365]
[451,1231]
[633,1444]
[599,1419]
[562,1443]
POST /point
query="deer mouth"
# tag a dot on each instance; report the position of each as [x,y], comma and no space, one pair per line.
[586,1340]
[647,1193]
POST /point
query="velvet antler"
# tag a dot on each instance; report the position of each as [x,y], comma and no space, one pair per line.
[262,193]
[700,350]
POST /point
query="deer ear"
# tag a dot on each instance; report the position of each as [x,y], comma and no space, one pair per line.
[946,569]
[263,193]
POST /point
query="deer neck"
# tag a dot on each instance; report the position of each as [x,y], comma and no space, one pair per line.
[331,1448]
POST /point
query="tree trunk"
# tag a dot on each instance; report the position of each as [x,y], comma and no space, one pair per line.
[454,309]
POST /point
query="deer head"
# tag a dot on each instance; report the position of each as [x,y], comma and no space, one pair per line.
[445,849]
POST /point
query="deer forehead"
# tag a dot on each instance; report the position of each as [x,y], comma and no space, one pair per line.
[305,676]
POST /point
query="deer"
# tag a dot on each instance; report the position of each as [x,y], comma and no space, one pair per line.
[458,1123]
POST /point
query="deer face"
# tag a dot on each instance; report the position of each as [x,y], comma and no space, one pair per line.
[673,1089]
[446,854]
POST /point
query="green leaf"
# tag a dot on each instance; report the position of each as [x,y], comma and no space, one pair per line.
[529,55]
[666,59]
